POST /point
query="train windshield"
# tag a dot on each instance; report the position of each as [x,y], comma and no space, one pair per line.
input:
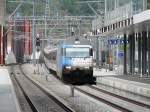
[77,52]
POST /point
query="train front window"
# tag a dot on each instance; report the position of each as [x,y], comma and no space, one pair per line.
[77,52]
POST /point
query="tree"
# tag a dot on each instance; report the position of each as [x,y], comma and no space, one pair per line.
[68,6]
[26,8]
[148,4]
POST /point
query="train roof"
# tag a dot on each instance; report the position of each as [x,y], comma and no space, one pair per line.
[76,41]
[69,41]
[49,49]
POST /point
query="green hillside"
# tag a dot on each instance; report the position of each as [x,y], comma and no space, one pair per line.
[69,7]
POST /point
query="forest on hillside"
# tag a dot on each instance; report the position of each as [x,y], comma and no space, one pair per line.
[66,7]
[69,7]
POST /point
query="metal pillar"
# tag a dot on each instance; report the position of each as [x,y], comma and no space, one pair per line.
[125,55]
[139,52]
[72,90]
[144,52]
[4,46]
[130,62]
[148,52]
[133,53]
[97,53]
[105,6]
[130,50]
[33,33]
[0,43]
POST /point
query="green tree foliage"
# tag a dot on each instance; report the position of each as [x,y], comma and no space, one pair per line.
[26,8]
[75,8]
[71,7]
[10,7]
[148,4]
[86,10]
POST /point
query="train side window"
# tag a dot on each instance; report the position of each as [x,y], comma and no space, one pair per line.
[49,56]
[91,52]
[55,55]
[62,51]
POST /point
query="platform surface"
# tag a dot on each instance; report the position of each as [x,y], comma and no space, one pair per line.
[137,78]
[145,79]
[8,100]
[132,83]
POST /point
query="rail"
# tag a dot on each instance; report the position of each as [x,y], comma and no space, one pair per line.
[49,95]
[122,109]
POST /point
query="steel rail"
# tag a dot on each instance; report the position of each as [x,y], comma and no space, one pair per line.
[121,97]
[34,109]
[61,104]
[122,109]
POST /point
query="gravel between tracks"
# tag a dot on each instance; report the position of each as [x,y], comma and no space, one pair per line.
[40,100]
[80,102]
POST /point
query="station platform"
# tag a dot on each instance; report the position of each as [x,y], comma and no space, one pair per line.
[8,99]
[131,83]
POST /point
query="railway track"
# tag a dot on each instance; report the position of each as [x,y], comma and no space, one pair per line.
[121,97]
[123,104]
[120,108]
[21,96]
[38,99]
[78,103]
[103,99]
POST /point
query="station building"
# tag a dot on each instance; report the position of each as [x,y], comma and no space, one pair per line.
[124,36]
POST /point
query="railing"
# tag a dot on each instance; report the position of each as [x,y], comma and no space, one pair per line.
[97,23]
[119,14]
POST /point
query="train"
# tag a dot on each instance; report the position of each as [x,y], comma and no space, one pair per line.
[20,43]
[18,49]
[71,60]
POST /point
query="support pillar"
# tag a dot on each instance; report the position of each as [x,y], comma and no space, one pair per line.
[139,52]
[132,53]
[97,53]
[0,44]
[148,53]
[144,53]
[125,55]
[72,90]
[4,45]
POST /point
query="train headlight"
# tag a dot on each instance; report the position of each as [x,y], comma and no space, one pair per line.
[87,67]
[68,67]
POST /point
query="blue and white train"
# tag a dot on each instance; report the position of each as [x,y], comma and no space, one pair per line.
[72,61]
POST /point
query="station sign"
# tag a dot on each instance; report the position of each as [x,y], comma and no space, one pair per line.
[120,54]
[116,41]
